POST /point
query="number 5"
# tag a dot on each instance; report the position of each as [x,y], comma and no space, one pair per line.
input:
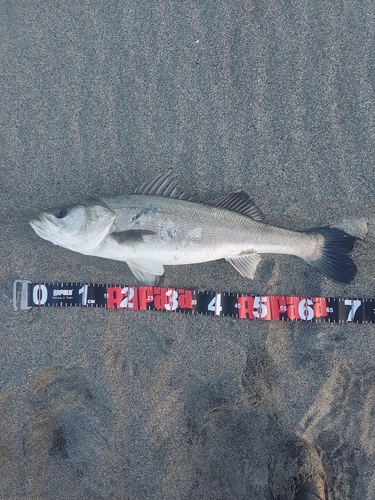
[260,309]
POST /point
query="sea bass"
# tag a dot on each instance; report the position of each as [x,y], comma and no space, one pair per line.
[158,226]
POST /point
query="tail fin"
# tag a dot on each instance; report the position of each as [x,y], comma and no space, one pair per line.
[335,261]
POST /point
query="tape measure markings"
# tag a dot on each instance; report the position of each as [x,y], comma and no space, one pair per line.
[230,304]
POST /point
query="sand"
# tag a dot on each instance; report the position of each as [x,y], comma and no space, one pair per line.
[97,97]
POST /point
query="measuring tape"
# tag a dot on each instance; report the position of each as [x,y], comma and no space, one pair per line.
[154,298]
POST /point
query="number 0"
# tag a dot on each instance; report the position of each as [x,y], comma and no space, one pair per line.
[40,295]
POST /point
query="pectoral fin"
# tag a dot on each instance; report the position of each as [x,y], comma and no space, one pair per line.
[131,236]
[146,270]
[246,264]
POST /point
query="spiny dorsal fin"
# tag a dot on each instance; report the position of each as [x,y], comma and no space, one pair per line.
[164,184]
[239,202]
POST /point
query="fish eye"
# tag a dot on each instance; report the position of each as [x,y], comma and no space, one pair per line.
[61,213]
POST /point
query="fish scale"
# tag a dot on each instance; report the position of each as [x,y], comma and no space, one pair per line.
[157,226]
[224,233]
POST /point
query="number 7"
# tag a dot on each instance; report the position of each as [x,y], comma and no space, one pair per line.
[354,306]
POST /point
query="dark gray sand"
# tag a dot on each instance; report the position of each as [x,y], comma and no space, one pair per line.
[96,97]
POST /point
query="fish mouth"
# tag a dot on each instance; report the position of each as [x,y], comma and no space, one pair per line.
[44,226]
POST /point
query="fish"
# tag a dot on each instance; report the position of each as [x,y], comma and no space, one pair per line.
[159,225]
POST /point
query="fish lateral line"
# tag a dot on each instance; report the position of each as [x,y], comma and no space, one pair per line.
[159,225]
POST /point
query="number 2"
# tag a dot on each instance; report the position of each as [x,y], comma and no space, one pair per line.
[126,302]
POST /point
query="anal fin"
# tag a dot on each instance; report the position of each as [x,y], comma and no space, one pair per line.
[245,264]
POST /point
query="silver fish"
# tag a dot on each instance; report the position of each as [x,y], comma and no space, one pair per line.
[158,226]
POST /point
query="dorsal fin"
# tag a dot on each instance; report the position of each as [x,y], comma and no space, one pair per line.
[239,202]
[164,184]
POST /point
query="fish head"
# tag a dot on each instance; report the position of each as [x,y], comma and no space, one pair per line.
[81,227]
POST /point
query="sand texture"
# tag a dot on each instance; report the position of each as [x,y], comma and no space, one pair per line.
[96,97]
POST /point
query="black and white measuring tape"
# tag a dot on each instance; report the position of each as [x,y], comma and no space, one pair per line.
[142,298]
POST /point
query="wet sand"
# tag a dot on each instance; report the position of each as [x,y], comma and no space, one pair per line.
[98,97]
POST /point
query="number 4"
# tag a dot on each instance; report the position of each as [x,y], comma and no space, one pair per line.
[215,305]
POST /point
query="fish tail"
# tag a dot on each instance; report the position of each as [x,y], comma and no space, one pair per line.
[335,261]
